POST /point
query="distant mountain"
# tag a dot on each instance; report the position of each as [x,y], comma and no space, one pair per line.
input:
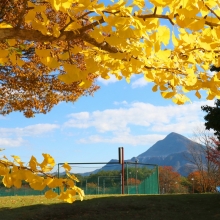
[171,151]
[172,143]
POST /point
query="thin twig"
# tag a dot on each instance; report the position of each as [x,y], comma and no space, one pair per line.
[22,15]
[8,163]
[212,11]
[68,44]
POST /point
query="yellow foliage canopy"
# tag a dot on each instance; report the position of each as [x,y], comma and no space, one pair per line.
[78,39]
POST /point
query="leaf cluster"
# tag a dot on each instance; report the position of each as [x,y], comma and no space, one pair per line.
[36,174]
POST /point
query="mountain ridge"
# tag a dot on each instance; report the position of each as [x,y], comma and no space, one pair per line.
[170,151]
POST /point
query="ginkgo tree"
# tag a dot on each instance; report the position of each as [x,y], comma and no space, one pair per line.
[53,50]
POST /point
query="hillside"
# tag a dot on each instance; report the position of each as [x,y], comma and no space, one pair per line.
[172,143]
[171,151]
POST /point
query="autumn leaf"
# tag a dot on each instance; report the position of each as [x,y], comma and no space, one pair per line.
[50,194]
[66,166]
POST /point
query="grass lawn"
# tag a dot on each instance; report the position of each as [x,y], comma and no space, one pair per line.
[155,207]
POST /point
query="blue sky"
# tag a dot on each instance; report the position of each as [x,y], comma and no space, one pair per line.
[92,129]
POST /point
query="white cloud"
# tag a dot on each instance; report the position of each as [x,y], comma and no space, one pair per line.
[31,130]
[39,129]
[127,139]
[121,103]
[112,79]
[127,120]
[78,120]
[9,142]
[141,82]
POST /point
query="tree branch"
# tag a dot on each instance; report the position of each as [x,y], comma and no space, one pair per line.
[104,45]
[21,16]
[212,11]
[37,36]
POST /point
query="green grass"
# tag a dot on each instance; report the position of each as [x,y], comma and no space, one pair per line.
[155,207]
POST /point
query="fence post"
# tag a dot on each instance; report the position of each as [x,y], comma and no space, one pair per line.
[58,177]
[127,176]
[158,180]
[98,185]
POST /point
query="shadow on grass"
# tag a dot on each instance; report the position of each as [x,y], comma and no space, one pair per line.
[158,207]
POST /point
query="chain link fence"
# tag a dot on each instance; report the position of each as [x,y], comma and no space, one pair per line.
[23,191]
[139,178]
[106,178]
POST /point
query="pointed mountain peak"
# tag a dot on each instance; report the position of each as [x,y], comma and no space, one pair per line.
[174,135]
[172,143]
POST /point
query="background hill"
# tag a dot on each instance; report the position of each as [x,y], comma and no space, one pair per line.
[171,151]
[172,143]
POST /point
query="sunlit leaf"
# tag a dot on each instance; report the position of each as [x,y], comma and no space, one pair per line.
[198,95]
[50,194]
[66,166]
[5,25]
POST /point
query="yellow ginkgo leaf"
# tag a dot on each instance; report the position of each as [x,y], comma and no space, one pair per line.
[5,25]
[177,101]
[56,31]
[30,16]
[64,56]
[161,2]
[210,96]
[3,170]
[50,194]
[197,25]
[164,33]
[73,26]
[154,89]
[13,58]
[198,95]
[48,159]
[53,183]
[7,180]
[167,95]
[66,166]
[11,42]
[73,177]
[38,185]
[33,163]
[4,53]
[17,183]
[174,40]
[85,84]
[20,62]
[43,52]
[65,196]
[3,60]
[50,62]
[70,183]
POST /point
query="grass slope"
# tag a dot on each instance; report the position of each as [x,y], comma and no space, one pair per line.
[117,207]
